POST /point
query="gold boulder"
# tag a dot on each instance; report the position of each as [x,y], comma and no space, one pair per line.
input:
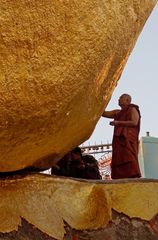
[59,64]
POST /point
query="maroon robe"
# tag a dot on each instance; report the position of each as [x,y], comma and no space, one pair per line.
[125,146]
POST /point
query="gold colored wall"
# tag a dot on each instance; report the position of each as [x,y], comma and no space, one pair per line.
[59,64]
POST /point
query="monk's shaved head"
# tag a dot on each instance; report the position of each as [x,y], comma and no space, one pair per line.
[124,100]
[127,96]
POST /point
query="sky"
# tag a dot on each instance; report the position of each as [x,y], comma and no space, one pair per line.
[140,80]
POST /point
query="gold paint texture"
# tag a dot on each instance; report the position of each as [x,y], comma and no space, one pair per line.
[59,64]
[46,202]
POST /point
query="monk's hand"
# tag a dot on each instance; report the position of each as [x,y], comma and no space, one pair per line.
[114,123]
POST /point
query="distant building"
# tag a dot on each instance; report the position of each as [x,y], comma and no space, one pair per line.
[148,156]
[105,166]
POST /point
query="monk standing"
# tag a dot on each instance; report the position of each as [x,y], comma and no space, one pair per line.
[125,139]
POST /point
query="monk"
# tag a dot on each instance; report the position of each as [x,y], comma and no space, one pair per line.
[125,139]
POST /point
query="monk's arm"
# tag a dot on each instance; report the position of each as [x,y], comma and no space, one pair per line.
[129,123]
[110,114]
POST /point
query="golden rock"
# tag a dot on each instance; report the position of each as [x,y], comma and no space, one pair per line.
[59,64]
[45,203]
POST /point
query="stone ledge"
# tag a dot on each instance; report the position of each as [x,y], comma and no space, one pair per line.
[60,208]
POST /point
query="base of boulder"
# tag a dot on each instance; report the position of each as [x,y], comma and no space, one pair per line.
[44,207]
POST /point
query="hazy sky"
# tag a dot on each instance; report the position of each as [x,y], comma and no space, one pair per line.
[140,80]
